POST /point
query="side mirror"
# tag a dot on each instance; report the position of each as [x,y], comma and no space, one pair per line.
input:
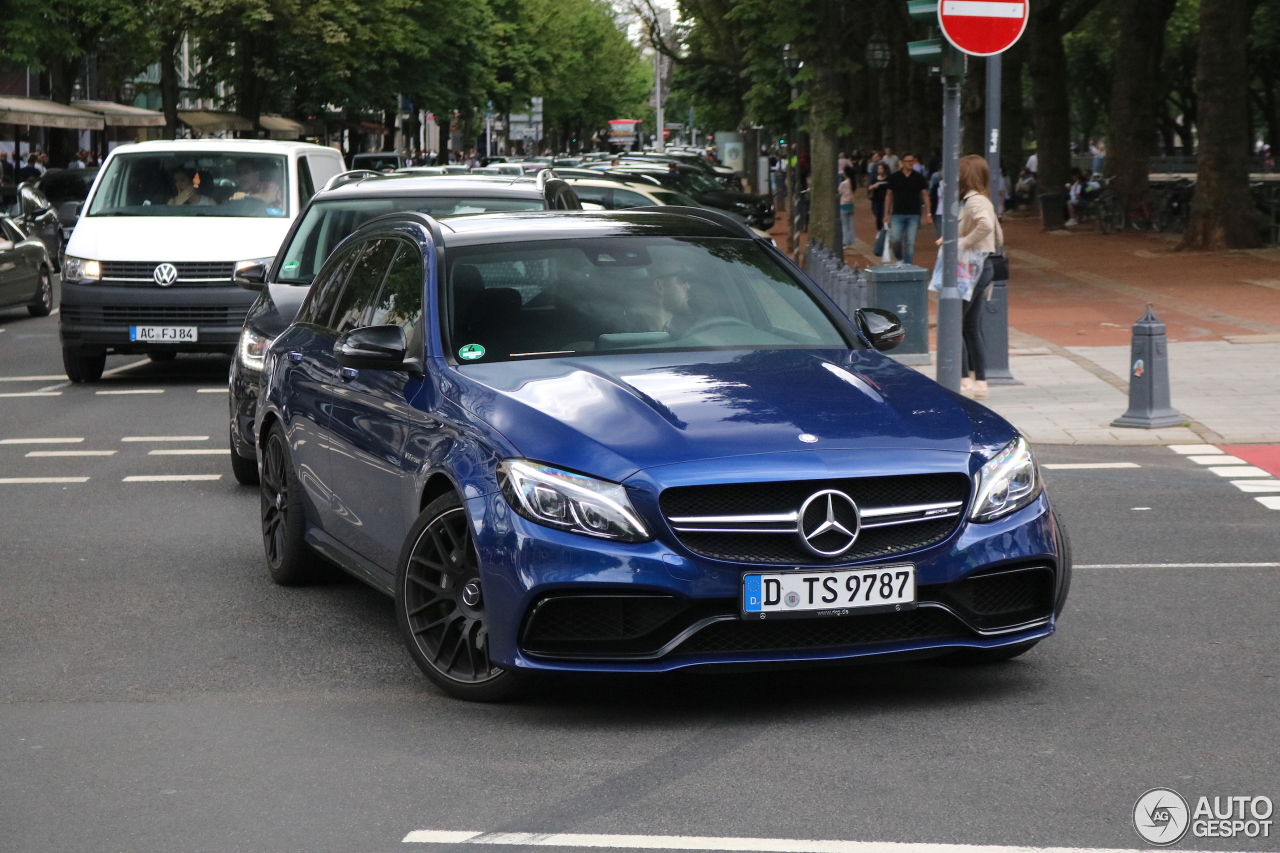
[372,347]
[251,275]
[6,245]
[69,212]
[882,328]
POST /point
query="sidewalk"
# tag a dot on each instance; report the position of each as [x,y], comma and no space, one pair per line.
[1074,296]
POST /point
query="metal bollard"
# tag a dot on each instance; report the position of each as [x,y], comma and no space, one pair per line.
[1149,403]
[995,329]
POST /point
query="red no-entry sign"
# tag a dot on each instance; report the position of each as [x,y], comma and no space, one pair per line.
[983,27]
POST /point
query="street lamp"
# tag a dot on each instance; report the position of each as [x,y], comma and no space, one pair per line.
[878,55]
[128,91]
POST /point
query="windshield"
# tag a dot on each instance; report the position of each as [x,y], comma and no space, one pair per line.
[194,183]
[666,196]
[326,224]
[615,295]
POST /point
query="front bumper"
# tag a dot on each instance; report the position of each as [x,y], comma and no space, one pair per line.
[96,316]
[525,565]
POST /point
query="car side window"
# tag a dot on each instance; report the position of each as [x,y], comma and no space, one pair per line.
[595,195]
[306,187]
[352,307]
[8,231]
[326,288]
[400,301]
[622,199]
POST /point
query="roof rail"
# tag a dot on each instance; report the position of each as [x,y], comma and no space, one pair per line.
[546,175]
[344,178]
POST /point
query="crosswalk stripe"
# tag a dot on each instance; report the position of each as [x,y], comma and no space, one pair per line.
[1270,502]
[1195,449]
[137,438]
[1081,466]
[17,480]
[187,452]
[45,453]
[41,440]
[130,391]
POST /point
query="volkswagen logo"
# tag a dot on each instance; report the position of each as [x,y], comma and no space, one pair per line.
[165,274]
[828,523]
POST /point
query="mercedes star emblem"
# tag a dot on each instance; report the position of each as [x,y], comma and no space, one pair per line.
[828,523]
[165,274]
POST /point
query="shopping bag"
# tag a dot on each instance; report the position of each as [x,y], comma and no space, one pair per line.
[886,256]
[935,281]
[881,238]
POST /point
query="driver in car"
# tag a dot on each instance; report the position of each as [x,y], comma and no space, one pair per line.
[663,303]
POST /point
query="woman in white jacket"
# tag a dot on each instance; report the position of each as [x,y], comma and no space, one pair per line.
[979,231]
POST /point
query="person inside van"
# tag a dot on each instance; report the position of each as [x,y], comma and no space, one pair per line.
[187,191]
[247,183]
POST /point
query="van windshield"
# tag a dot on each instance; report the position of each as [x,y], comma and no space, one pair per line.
[193,183]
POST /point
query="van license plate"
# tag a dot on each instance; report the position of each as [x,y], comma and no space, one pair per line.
[799,593]
[164,334]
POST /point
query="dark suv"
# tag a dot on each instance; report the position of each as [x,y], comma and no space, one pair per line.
[348,202]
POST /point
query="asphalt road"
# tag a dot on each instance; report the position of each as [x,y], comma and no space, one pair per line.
[158,693]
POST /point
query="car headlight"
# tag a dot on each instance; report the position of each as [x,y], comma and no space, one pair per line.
[570,501]
[1007,483]
[253,349]
[79,269]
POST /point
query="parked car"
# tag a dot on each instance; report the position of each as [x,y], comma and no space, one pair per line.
[379,161]
[26,270]
[151,263]
[27,206]
[637,442]
[332,215]
[600,192]
[66,190]
[756,209]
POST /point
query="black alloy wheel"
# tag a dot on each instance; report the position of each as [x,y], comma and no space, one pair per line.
[289,560]
[43,304]
[441,609]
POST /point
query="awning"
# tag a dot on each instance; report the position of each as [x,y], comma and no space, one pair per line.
[122,115]
[281,128]
[371,127]
[42,113]
[212,121]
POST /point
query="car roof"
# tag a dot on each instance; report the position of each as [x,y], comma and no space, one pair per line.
[495,228]
[245,146]
[408,185]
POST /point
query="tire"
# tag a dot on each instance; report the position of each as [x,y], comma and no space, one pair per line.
[82,366]
[289,560]
[444,630]
[160,356]
[44,296]
[244,470]
[1064,565]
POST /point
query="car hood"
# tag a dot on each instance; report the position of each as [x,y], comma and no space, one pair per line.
[177,238]
[612,416]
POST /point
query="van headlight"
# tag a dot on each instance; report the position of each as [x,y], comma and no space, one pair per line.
[1007,483]
[569,501]
[80,269]
[253,349]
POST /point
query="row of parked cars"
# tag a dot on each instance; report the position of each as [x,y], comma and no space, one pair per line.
[568,440]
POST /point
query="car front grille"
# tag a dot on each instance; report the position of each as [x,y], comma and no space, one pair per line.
[840,632]
[173,315]
[1001,599]
[189,272]
[756,522]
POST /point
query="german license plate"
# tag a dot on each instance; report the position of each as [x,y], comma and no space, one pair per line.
[164,334]
[821,593]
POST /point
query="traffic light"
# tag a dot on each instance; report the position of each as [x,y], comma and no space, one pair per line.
[936,52]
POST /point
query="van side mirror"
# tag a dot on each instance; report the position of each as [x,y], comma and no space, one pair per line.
[373,348]
[251,275]
[882,328]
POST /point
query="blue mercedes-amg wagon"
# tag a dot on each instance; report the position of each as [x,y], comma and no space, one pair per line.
[635,442]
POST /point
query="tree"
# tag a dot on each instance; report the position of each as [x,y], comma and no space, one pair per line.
[1222,210]
[1049,22]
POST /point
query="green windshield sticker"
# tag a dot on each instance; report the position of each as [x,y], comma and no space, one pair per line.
[471,352]
[290,266]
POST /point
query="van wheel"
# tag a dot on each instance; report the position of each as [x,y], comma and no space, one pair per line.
[82,366]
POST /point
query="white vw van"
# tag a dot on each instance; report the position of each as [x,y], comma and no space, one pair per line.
[151,263]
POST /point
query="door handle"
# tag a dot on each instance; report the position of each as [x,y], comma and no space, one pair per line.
[295,356]
[346,374]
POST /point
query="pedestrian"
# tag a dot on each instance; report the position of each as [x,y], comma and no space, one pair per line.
[907,201]
[980,234]
[842,163]
[876,191]
[29,171]
[846,203]
[1075,199]
[1033,164]
[1099,151]
[890,159]
[6,168]
[778,174]
[872,165]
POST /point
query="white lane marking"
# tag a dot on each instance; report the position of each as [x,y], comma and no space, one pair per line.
[41,440]
[165,438]
[32,394]
[983,9]
[211,390]
[1140,508]
[1195,449]
[44,479]
[186,452]
[1081,466]
[50,378]
[1217,460]
[1178,566]
[171,478]
[702,842]
[1270,502]
[57,387]
[1240,471]
[1257,485]
[131,391]
[122,368]
[71,453]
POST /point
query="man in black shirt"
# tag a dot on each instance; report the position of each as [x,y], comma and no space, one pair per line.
[906,202]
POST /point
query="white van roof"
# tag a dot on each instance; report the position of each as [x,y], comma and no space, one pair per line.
[246,146]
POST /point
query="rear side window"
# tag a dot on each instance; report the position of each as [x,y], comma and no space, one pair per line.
[306,187]
[352,307]
[622,199]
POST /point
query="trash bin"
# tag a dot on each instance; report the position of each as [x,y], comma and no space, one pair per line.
[1053,211]
[904,290]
